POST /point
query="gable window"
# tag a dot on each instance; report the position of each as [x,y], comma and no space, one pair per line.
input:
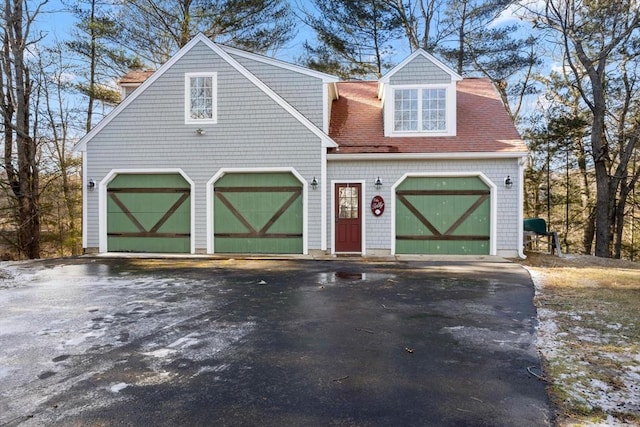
[420,110]
[200,98]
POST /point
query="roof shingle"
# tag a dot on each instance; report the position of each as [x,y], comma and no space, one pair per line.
[136,76]
[483,125]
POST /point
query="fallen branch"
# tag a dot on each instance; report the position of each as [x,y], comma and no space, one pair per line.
[540,377]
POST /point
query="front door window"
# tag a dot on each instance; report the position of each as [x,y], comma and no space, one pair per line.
[348,202]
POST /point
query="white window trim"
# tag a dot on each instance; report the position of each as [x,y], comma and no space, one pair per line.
[187,98]
[389,111]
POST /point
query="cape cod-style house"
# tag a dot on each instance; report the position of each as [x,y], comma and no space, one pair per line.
[221,151]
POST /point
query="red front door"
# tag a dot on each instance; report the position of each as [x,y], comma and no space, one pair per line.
[348,218]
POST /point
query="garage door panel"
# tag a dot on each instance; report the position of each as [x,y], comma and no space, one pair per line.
[439,208]
[442,215]
[150,244]
[289,222]
[253,180]
[258,208]
[466,247]
[258,213]
[153,180]
[148,213]
[254,245]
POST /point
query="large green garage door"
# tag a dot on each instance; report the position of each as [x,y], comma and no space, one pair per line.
[258,213]
[149,213]
[443,215]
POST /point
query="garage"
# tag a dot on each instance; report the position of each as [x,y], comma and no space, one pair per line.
[443,215]
[149,213]
[258,213]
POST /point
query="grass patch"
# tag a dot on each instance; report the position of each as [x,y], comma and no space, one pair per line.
[589,330]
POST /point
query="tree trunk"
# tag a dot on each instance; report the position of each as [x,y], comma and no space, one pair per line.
[461,37]
[603,207]
[92,66]
[24,179]
[588,213]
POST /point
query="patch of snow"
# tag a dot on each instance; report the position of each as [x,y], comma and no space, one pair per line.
[537,278]
[574,316]
[116,388]
[162,353]
[73,341]
[13,276]
[5,371]
[618,393]
[185,342]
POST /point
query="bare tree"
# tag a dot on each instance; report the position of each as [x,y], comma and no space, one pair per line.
[20,146]
[597,38]
[420,21]
[60,169]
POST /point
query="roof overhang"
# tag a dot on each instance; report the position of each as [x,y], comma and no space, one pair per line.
[427,156]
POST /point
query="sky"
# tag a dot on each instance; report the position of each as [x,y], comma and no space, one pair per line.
[57,23]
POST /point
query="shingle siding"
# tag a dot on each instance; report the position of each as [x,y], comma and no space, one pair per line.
[301,91]
[253,131]
[378,229]
[420,71]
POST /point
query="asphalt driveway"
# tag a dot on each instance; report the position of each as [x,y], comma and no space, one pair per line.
[271,343]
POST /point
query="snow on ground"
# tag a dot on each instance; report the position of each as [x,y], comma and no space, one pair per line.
[617,394]
[83,313]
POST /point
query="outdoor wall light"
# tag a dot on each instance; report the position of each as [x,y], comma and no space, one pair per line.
[91,185]
[314,183]
[378,183]
[508,182]
[200,131]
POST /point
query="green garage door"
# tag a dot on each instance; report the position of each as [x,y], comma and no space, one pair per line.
[149,213]
[443,215]
[258,213]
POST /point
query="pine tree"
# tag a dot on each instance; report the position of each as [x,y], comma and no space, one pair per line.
[353,37]
[156,29]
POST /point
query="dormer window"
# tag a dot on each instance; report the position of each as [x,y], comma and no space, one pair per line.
[200,98]
[421,111]
[419,98]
